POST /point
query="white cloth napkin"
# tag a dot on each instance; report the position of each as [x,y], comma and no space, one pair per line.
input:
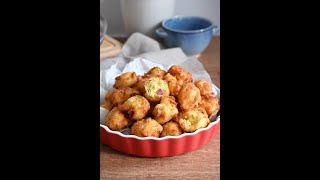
[139,45]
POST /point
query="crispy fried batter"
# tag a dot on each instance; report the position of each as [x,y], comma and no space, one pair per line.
[146,127]
[156,88]
[210,103]
[139,86]
[127,79]
[203,86]
[166,110]
[189,96]
[193,119]
[173,85]
[119,96]
[137,107]
[155,72]
[181,75]
[171,129]
[116,120]
[107,105]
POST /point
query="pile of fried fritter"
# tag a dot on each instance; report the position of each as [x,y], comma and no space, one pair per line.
[160,103]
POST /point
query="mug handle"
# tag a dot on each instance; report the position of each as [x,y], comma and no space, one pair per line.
[161,33]
[215,29]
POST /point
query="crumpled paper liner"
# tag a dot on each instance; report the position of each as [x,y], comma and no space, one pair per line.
[141,53]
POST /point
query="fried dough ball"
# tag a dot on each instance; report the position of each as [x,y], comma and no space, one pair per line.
[119,96]
[116,120]
[193,119]
[155,72]
[146,127]
[137,107]
[189,96]
[210,103]
[107,105]
[166,110]
[139,86]
[169,100]
[173,85]
[182,75]
[156,88]
[171,129]
[203,86]
[127,79]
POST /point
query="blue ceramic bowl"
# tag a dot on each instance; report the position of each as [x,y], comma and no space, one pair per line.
[192,34]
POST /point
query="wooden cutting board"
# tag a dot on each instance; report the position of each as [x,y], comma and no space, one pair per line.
[109,48]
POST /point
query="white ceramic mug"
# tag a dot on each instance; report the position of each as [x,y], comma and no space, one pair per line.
[145,15]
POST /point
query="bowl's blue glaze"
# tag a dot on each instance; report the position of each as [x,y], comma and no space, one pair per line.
[192,34]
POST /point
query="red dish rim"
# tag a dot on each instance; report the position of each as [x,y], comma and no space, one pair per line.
[162,138]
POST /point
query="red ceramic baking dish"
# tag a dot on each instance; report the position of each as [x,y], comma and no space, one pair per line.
[158,147]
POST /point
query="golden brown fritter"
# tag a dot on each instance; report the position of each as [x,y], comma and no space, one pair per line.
[173,85]
[181,75]
[166,110]
[189,96]
[155,72]
[146,127]
[169,100]
[127,79]
[156,88]
[193,119]
[119,96]
[136,106]
[116,120]
[171,129]
[203,86]
[139,86]
[107,105]
[210,103]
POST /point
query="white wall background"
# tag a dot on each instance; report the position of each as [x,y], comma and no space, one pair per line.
[209,9]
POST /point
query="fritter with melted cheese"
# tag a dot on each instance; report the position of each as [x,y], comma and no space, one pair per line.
[193,119]
[156,88]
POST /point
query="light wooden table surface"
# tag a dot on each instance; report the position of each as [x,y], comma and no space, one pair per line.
[203,163]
